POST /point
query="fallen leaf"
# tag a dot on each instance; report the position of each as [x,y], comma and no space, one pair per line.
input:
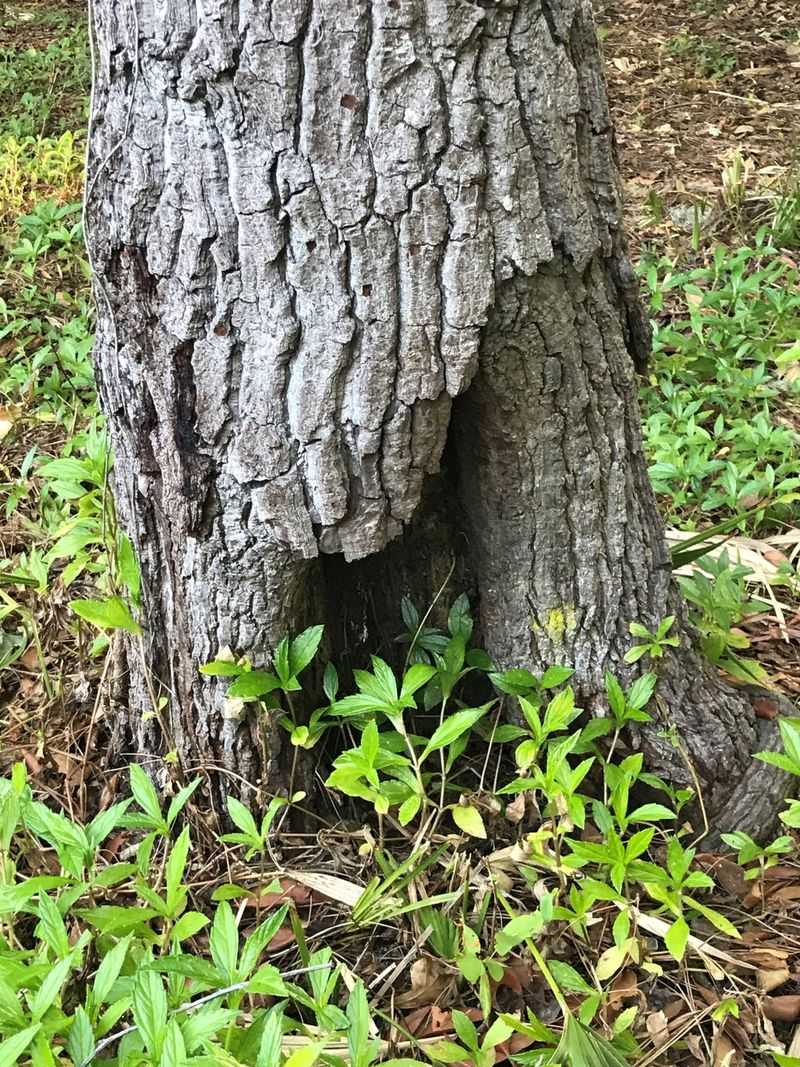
[695,1046]
[431,1021]
[765,708]
[290,890]
[429,979]
[723,1050]
[8,417]
[328,885]
[727,873]
[658,1028]
[782,1009]
[772,979]
[516,809]
[284,937]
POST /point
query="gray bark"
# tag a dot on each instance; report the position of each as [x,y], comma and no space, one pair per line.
[336,241]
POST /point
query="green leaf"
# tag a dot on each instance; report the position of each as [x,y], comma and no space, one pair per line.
[179,801]
[715,918]
[471,967]
[267,981]
[555,676]
[330,682]
[305,1056]
[519,929]
[409,808]
[453,727]
[222,668]
[469,820]
[189,924]
[497,1033]
[677,938]
[109,970]
[80,1040]
[110,614]
[48,991]
[243,818]
[304,648]
[447,1052]
[568,978]
[642,690]
[415,677]
[224,941]
[269,1051]
[149,1007]
[173,1053]
[254,684]
[581,1047]
[11,1048]
[651,813]
[144,793]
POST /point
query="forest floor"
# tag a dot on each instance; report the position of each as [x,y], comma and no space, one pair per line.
[705,102]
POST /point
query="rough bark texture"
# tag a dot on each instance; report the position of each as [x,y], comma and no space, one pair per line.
[331,239]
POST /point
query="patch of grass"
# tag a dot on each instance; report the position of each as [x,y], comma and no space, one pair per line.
[721,407]
[711,58]
[43,89]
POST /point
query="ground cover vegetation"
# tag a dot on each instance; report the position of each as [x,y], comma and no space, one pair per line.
[486,874]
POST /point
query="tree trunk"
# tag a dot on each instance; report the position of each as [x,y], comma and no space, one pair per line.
[335,242]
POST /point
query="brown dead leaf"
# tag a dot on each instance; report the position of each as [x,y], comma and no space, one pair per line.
[782,1009]
[724,1051]
[515,811]
[429,979]
[724,871]
[658,1028]
[290,890]
[8,416]
[518,976]
[765,708]
[284,937]
[772,979]
[695,1046]
[432,1021]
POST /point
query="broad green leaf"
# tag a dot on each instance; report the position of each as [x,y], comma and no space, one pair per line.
[243,818]
[305,1056]
[469,820]
[453,727]
[409,808]
[651,813]
[269,1052]
[189,924]
[304,648]
[254,684]
[11,1048]
[715,917]
[222,668]
[447,1052]
[415,677]
[519,929]
[224,941]
[80,1040]
[173,1053]
[109,970]
[677,938]
[149,1006]
[144,793]
[581,1047]
[110,614]
[48,991]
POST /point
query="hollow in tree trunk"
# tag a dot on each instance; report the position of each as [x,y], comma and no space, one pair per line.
[364,308]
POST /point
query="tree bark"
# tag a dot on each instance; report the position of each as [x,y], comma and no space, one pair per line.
[335,242]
